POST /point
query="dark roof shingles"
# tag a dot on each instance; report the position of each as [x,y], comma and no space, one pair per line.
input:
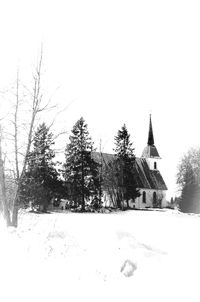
[146,178]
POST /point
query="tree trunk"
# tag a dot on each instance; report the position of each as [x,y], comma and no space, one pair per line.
[6,212]
[82,174]
[15,208]
[82,187]
[15,216]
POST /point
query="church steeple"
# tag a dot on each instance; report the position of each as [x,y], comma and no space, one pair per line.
[150,137]
[150,151]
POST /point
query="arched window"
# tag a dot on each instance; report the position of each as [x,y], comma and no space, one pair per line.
[154,199]
[155,165]
[144,197]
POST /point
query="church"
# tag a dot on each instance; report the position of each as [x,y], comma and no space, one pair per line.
[149,180]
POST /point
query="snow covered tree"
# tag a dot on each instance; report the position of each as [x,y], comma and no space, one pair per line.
[125,166]
[80,169]
[188,179]
[41,177]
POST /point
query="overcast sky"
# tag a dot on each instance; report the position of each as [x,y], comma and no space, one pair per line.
[117,62]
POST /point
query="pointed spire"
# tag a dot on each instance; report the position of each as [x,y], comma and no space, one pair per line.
[150,137]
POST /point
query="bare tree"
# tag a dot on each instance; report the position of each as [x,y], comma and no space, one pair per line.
[110,184]
[28,106]
[16,127]
[36,108]
[4,204]
[11,215]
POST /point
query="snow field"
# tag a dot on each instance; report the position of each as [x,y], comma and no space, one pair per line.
[131,256]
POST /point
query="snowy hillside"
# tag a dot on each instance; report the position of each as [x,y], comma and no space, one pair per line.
[121,256]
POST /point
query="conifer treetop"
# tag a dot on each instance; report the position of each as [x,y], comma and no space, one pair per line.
[80,136]
[123,144]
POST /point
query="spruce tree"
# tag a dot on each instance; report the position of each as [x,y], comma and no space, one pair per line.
[80,170]
[41,181]
[125,163]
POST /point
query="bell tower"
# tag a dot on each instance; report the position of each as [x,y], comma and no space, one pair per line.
[150,152]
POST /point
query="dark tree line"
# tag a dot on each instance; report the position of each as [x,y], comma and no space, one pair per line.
[82,179]
[188,179]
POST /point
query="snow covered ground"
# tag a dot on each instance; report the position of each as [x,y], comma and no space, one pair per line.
[121,256]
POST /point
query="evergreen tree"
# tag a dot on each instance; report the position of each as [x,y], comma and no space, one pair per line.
[41,181]
[125,163]
[80,170]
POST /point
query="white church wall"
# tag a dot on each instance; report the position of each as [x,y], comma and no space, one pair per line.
[141,203]
[151,162]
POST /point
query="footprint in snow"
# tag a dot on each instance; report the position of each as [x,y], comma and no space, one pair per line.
[128,268]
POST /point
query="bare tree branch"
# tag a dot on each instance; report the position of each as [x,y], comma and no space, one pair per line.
[61,111]
[16,127]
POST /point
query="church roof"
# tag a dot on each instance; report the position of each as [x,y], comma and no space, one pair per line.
[146,178]
[105,158]
[150,151]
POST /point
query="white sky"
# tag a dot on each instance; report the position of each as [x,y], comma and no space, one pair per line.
[119,61]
